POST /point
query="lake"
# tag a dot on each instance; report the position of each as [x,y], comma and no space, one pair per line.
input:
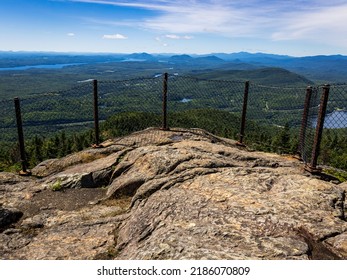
[336,119]
[40,66]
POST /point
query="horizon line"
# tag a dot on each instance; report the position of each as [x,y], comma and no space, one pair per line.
[162,53]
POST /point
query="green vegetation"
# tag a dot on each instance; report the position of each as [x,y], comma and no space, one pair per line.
[339,174]
[59,121]
[259,136]
[57,186]
[220,123]
[40,148]
[264,76]
[334,148]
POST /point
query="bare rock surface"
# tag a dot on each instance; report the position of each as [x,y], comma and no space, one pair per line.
[178,194]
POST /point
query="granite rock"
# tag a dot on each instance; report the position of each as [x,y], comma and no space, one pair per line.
[178,194]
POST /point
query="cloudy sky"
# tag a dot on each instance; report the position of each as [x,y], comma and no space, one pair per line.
[297,28]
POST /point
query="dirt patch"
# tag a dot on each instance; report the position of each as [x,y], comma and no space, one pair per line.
[65,200]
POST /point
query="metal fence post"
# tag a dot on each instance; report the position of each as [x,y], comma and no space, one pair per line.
[23,159]
[304,121]
[165,81]
[319,130]
[96,114]
[244,114]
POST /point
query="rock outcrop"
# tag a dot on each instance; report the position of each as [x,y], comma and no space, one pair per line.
[178,194]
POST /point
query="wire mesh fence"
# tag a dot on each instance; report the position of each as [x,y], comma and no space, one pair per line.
[143,95]
[8,134]
[273,116]
[186,93]
[138,95]
[333,150]
[211,104]
[49,113]
[336,117]
[7,121]
[43,117]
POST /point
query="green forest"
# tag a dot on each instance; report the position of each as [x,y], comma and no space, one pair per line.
[283,140]
[57,106]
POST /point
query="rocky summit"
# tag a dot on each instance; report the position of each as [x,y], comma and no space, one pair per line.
[178,194]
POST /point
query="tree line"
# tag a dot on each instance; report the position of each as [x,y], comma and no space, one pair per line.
[259,136]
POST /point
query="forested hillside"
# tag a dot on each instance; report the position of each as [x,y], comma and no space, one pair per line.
[203,91]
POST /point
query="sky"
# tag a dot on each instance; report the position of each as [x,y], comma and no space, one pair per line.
[296,28]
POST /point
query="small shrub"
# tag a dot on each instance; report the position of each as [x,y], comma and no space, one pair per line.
[57,186]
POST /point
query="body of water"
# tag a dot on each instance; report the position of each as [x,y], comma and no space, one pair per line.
[40,66]
[186,100]
[336,119]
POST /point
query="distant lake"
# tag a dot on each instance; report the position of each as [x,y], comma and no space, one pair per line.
[336,119]
[186,100]
[39,66]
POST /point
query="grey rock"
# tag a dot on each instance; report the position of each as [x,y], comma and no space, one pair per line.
[179,194]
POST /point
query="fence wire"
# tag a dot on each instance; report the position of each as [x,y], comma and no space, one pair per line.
[8,129]
[190,99]
[52,112]
[186,93]
[336,116]
[137,95]
[140,98]
[8,133]
[273,120]
[333,150]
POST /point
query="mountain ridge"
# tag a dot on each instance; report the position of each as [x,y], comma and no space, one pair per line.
[319,68]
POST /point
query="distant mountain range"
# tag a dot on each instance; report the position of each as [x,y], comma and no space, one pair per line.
[324,69]
[320,69]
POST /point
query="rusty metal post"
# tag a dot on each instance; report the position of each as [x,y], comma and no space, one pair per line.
[319,130]
[165,81]
[23,159]
[244,114]
[96,114]
[304,121]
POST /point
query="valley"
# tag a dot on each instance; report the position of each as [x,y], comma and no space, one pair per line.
[56,92]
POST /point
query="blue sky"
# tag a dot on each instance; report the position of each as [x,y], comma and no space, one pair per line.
[297,28]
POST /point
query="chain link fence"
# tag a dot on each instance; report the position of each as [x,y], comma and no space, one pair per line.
[8,129]
[44,116]
[48,113]
[273,117]
[8,133]
[333,150]
[142,97]
[336,117]
[214,105]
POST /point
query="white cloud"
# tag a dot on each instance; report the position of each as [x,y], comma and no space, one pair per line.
[177,37]
[172,36]
[275,20]
[70,34]
[327,24]
[114,37]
